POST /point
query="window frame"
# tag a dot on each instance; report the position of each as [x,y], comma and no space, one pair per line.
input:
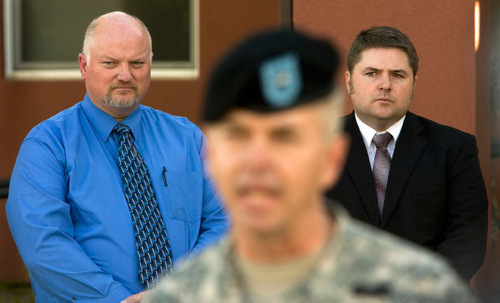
[54,70]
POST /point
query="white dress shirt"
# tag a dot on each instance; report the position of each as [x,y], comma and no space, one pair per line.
[368,133]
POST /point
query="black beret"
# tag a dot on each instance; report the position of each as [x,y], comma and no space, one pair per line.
[271,71]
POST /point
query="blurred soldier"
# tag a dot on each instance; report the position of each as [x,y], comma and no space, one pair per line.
[272,116]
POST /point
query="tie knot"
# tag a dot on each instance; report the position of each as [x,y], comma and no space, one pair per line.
[382,140]
[121,129]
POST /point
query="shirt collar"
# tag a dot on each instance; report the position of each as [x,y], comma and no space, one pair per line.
[367,132]
[104,123]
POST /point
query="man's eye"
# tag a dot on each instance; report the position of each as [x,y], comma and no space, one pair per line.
[137,64]
[371,74]
[235,134]
[285,136]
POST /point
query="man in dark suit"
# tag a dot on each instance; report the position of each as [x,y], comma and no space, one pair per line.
[433,192]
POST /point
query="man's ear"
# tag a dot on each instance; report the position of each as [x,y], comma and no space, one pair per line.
[348,82]
[337,156]
[82,62]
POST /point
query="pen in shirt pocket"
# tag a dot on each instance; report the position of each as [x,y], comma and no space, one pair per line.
[163,175]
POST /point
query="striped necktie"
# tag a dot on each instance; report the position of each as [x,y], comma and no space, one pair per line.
[381,167]
[153,246]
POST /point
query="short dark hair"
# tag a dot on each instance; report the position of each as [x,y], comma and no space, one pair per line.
[381,37]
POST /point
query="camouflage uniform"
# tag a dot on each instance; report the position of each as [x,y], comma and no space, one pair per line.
[359,264]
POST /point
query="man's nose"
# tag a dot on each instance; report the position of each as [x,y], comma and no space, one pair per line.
[385,82]
[258,154]
[124,73]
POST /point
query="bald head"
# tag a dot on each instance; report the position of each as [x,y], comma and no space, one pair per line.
[119,73]
[111,22]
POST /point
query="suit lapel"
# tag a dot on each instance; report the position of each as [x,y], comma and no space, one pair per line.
[408,150]
[359,169]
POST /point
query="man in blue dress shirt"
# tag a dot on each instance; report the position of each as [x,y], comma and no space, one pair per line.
[66,208]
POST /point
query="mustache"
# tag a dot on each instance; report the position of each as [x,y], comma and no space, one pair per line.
[122,85]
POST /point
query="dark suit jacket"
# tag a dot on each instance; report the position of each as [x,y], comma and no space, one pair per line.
[435,192]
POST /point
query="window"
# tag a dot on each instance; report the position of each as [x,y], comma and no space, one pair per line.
[43,38]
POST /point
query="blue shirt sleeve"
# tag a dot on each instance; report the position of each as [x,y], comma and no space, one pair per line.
[214,222]
[40,221]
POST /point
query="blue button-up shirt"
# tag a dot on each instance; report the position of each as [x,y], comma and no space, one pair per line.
[67,210]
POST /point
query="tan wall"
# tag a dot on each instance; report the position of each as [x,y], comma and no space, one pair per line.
[24,104]
[453,85]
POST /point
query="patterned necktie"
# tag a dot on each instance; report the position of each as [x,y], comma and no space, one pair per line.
[381,167]
[153,247]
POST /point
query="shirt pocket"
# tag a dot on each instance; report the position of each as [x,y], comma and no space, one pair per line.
[182,197]
[181,203]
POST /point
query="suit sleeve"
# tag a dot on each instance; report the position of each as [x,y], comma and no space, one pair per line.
[40,221]
[467,220]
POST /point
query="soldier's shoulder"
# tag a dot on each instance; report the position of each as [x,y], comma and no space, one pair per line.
[377,257]
[190,279]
